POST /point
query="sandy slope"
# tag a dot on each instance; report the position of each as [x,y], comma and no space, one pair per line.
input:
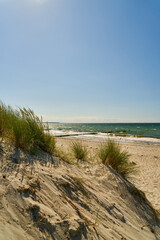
[42,197]
[147,159]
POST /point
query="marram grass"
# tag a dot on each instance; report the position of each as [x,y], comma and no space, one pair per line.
[79,151]
[111,154]
[25,129]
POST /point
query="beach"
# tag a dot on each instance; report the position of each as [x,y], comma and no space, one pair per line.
[50,191]
[146,156]
[79,120]
[44,197]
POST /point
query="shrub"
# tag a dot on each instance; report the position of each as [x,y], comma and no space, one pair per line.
[111,154]
[79,151]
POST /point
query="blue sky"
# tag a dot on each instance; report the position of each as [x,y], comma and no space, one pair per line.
[82,60]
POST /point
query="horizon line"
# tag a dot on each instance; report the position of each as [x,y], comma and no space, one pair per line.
[100,122]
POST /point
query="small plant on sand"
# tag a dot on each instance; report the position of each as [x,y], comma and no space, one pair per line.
[66,157]
[111,154]
[79,151]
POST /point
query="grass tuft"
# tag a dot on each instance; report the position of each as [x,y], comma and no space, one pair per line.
[66,157]
[111,154]
[25,129]
[79,151]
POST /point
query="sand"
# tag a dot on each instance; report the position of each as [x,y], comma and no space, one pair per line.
[43,197]
[147,159]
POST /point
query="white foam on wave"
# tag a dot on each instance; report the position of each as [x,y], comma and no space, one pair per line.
[128,139]
[65,133]
[104,136]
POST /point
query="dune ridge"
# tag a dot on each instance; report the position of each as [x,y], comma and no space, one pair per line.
[43,197]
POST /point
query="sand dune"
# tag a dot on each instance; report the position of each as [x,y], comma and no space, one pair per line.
[147,159]
[43,197]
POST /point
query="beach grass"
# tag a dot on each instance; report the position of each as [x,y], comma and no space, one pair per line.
[79,151]
[111,154]
[65,156]
[23,128]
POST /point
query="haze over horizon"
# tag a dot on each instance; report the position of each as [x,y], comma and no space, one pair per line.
[82,61]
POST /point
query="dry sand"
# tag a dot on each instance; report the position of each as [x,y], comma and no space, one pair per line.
[43,197]
[147,159]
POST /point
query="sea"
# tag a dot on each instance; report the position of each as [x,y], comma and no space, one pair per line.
[124,129]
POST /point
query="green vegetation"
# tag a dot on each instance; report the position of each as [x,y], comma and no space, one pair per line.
[79,151]
[66,157]
[25,129]
[111,154]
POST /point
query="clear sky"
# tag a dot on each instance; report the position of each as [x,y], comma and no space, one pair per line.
[82,60]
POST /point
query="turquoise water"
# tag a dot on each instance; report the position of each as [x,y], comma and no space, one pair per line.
[142,129]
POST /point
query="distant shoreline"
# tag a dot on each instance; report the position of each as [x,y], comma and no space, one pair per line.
[139,130]
[100,137]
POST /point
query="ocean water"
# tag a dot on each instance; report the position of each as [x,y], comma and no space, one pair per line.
[135,129]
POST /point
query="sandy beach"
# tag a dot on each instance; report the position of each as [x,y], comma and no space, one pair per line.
[44,197]
[80,120]
[146,157]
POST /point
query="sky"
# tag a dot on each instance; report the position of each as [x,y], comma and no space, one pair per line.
[82,60]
